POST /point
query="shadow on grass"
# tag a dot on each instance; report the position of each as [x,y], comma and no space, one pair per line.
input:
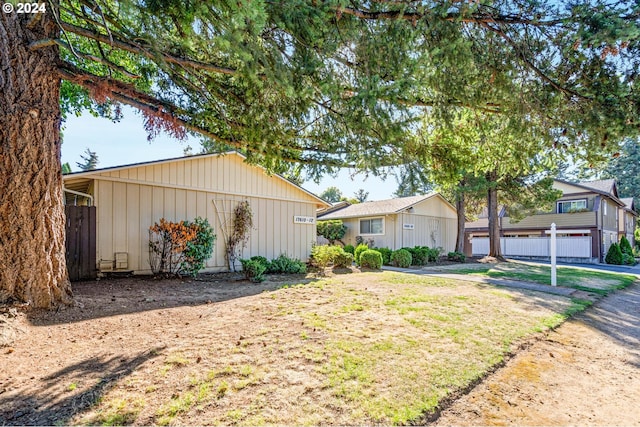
[67,392]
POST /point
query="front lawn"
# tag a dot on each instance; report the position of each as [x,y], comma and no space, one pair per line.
[367,348]
[599,282]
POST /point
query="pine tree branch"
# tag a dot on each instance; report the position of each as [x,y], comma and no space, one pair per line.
[127,94]
[142,50]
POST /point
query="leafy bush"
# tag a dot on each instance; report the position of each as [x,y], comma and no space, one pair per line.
[350,249]
[625,246]
[628,259]
[199,249]
[253,270]
[456,256]
[419,255]
[180,247]
[371,259]
[386,255]
[342,260]
[614,255]
[433,254]
[331,230]
[401,258]
[285,265]
[262,260]
[359,249]
[323,255]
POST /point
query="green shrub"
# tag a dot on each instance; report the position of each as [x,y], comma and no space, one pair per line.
[614,255]
[200,249]
[342,259]
[371,259]
[285,265]
[350,249]
[401,258]
[331,230]
[433,254]
[262,260]
[386,255]
[456,256]
[625,246]
[628,259]
[419,255]
[253,270]
[323,255]
[359,249]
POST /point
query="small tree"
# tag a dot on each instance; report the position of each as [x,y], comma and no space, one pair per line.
[332,230]
[625,246]
[239,237]
[614,255]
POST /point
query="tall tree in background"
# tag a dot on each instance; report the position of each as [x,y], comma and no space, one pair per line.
[90,160]
[361,196]
[331,195]
[326,84]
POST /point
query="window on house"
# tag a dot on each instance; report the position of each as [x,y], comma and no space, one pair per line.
[572,206]
[372,226]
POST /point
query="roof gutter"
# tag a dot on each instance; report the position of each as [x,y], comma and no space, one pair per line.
[78,193]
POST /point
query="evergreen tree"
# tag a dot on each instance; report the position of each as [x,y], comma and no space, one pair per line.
[90,160]
[361,196]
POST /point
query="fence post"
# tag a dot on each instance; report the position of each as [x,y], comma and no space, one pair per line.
[553,254]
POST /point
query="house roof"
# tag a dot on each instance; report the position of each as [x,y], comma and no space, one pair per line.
[89,174]
[605,187]
[380,207]
[629,205]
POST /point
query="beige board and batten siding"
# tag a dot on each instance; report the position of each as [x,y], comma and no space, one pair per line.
[433,220]
[130,200]
[544,221]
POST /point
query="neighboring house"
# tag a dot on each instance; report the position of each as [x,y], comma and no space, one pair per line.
[586,218]
[627,220]
[129,199]
[427,220]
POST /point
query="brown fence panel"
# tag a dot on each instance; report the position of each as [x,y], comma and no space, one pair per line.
[81,242]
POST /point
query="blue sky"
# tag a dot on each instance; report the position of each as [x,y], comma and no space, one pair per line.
[126,142]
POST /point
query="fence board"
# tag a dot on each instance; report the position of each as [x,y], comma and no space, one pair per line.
[81,242]
[569,247]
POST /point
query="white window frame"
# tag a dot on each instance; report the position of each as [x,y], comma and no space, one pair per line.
[381,218]
[560,202]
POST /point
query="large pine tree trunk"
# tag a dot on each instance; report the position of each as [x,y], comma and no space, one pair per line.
[494,226]
[32,236]
[460,207]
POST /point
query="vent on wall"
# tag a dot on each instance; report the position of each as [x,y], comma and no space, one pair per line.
[105,265]
[122,260]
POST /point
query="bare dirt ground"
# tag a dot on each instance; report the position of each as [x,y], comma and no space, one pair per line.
[587,372]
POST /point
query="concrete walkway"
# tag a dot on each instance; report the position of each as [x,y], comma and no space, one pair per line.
[555,290]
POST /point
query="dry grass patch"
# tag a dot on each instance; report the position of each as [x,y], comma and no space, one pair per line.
[358,349]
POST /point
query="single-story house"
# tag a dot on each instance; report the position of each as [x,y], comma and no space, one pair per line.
[129,199]
[427,220]
[586,218]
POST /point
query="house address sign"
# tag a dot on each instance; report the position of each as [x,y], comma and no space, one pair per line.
[408,226]
[303,220]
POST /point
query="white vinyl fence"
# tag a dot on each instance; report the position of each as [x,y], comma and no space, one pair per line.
[568,247]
